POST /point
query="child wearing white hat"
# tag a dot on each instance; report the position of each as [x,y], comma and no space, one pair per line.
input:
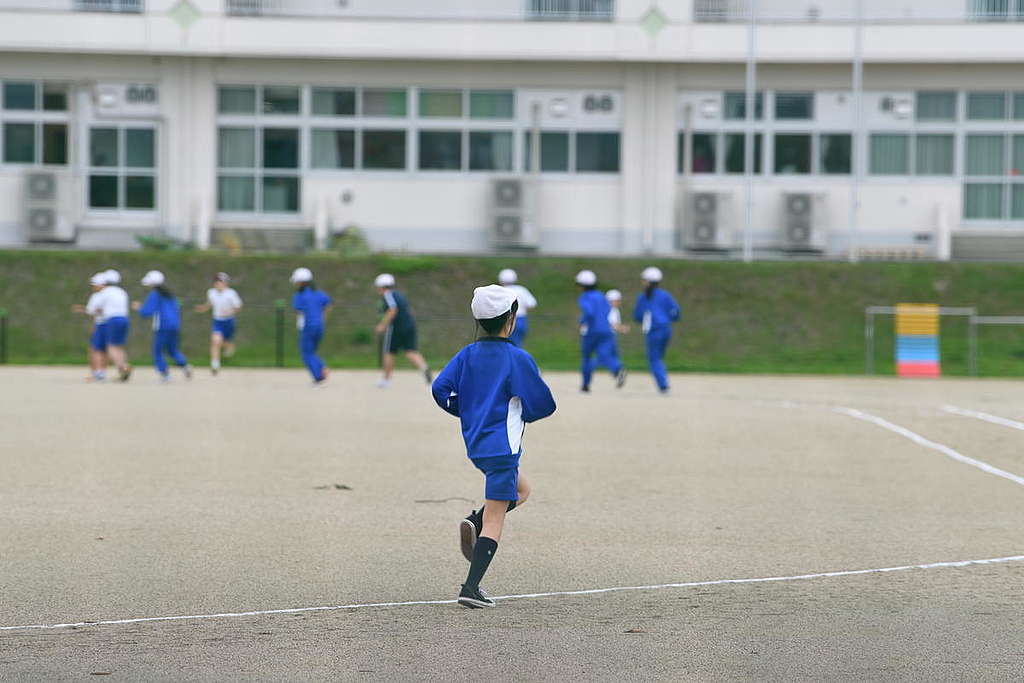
[162,306]
[596,336]
[397,329]
[495,389]
[98,334]
[509,278]
[311,306]
[224,303]
[113,304]
[614,298]
[656,311]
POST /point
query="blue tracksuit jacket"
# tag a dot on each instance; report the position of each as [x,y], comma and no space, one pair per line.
[594,309]
[657,311]
[163,310]
[495,389]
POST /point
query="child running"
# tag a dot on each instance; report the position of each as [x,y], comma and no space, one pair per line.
[113,306]
[98,335]
[225,304]
[596,335]
[614,298]
[656,310]
[163,308]
[495,389]
[398,330]
[311,306]
[527,302]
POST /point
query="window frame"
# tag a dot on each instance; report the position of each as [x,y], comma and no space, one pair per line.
[121,171]
[39,117]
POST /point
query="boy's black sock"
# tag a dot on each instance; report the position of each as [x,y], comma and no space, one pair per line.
[511,505]
[483,552]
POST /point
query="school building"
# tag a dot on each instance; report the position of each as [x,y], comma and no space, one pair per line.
[880,128]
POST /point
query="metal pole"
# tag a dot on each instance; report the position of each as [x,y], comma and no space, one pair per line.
[279,333]
[748,139]
[856,144]
[972,345]
[3,337]
[869,343]
[685,175]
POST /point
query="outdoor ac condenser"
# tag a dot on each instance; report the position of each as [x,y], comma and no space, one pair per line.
[44,219]
[803,222]
[513,210]
[706,221]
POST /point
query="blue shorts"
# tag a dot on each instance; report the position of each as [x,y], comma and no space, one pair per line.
[117,331]
[226,328]
[98,338]
[502,475]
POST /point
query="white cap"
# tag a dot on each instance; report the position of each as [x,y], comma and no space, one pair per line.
[586,278]
[613,295]
[507,277]
[301,275]
[222,277]
[651,274]
[112,276]
[491,301]
[153,278]
[384,280]
[98,279]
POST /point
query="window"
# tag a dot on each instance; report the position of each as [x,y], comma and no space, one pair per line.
[334,102]
[258,169]
[19,96]
[836,150]
[384,149]
[983,201]
[279,100]
[792,154]
[440,150]
[333,148]
[1017,156]
[19,143]
[236,100]
[281,148]
[933,155]
[384,103]
[122,168]
[441,104]
[794,106]
[889,154]
[936,106]
[704,152]
[994,163]
[1018,106]
[597,152]
[735,107]
[34,123]
[490,151]
[985,155]
[735,152]
[1017,202]
[55,97]
[986,106]
[554,152]
[496,104]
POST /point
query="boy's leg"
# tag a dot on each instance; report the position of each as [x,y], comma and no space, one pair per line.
[483,553]
[216,341]
[389,364]
[586,367]
[655,344]
[158,353]
[173,338]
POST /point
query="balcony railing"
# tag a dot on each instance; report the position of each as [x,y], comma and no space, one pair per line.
[117,6]
[485,10]
[871,11]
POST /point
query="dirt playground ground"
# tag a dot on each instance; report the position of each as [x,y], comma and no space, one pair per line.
[887,517]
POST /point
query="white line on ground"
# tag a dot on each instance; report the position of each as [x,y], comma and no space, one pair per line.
[591,591]
[987,417]
[927,443]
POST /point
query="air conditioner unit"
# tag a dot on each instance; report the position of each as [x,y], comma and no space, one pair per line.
[512,213]
[706,221]
[803,222]
[45,220]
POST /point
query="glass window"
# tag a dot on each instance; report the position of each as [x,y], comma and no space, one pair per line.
[1018,106]
[280,148]
[736,106]
[55,143]
[139,148]
[19,143]
[384,149]
[705,153]
[236,100]
[55,97]
[1017,156]
[384,103]
[334,102]
[1017,201]
[103,191]
[237,148]
[280,194]
[934,155]
[985,155]
[890,154]
[794,106]
[236,193]
[278,99]
[490,151]
[597,152]
[983,201]
[440,150]
[496,104]
[792,154]
[554,152]
[441,103]
[19,96]
[735,152]
[103,147]
[139,192]
[936,106]
[836,153]
[333,148]
[986,106]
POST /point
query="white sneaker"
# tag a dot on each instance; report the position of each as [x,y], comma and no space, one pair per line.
[383,383]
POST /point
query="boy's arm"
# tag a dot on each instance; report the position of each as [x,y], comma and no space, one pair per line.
[533,393]
[640,308]
[529,301]
[445,384]
[149,306]
[673,312]
[295,302]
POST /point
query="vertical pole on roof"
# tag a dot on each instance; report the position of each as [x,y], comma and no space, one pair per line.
[748,138]
[857,143]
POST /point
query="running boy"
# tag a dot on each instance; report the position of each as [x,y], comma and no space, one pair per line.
[311,306]
[527,302]
[614,298]
[596,335]
[164,309]
[495,389]
[225,303]
[398,329]
[656,310]
[98,335]
[113,306]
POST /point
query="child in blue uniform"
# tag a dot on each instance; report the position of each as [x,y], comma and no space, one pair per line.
[165,311]
[596,335]
[495,389]
[397,328]
[311,306]
[656,310]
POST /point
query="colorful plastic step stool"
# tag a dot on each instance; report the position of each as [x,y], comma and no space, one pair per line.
[917,340]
